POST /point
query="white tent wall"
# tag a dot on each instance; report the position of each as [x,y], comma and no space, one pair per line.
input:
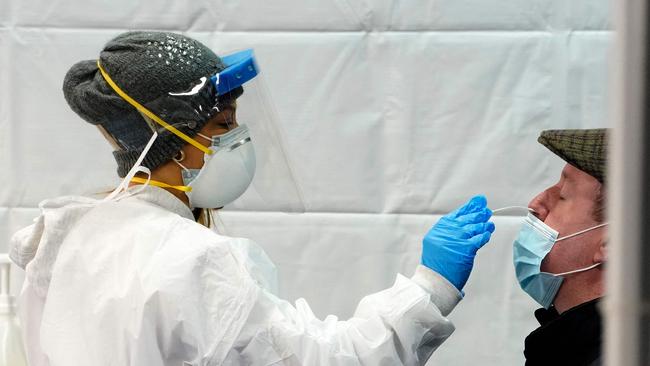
[394,112]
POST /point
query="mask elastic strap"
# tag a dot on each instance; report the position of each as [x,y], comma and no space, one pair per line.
[180,165]
[577,270]
[163,184]
[204,136]
[160,184]
[582,232]
[150,114]
[145,182]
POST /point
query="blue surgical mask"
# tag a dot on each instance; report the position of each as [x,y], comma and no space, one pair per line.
[535,241]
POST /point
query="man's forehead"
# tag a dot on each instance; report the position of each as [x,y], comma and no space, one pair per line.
[577,176]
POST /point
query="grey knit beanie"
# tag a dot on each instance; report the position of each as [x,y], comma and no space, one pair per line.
[147,66]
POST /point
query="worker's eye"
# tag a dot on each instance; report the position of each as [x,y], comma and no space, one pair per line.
[225,125]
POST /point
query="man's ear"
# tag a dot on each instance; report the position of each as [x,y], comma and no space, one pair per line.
[600,256]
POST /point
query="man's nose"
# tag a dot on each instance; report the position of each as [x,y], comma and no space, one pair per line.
[537,204]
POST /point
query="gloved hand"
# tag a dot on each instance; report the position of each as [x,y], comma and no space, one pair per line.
[450,246]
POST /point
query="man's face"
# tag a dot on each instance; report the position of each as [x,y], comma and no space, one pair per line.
[568,207]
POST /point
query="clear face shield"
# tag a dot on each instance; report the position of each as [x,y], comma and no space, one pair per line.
[245,165]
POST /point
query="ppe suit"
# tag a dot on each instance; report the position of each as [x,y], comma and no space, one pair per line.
[136,281]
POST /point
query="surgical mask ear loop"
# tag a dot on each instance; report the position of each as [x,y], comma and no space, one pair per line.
[577,270]
[582,231]
[178,162]
[204,136]
[571,236]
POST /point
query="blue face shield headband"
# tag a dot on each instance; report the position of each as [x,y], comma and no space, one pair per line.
[240,69]
[535,241]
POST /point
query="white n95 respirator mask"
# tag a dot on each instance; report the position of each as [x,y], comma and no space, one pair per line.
[226,174]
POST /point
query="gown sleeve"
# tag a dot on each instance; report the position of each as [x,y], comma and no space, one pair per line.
[401,325]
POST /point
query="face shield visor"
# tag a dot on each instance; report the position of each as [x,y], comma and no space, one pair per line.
[245,165]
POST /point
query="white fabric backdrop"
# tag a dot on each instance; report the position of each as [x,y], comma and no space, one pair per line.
[394,112]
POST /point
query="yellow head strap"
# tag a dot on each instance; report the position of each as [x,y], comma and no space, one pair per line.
[150,114]
[161,184]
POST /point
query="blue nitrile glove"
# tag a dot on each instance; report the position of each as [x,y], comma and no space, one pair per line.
[450,246]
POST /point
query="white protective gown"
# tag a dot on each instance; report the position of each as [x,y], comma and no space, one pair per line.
[137,282]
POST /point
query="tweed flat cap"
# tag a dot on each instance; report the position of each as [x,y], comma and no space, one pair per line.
[585,149]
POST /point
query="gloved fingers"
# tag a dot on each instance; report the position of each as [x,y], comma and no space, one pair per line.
[475,217]
[481,239]
[471,230]
[475,203]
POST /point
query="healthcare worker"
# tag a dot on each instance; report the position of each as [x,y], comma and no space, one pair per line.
[133,279]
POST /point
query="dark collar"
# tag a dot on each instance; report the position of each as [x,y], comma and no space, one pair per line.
[571,338]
